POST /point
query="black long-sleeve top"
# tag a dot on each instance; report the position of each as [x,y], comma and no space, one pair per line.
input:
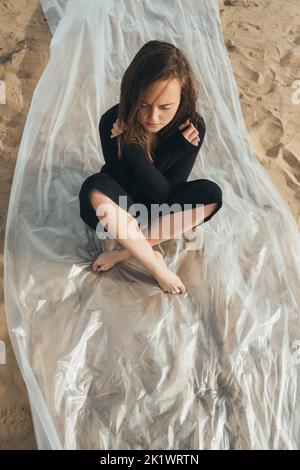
[173,163]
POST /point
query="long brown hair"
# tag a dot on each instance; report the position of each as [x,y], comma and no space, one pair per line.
[156,60]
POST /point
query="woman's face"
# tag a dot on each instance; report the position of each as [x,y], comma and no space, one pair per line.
[159,104]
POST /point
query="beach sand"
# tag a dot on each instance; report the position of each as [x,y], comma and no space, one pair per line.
[263,41]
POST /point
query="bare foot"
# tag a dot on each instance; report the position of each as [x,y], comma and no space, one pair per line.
[169,281]
[107,260]
[166,279]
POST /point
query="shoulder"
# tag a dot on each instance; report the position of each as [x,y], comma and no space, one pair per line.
[199,123]
[109,116]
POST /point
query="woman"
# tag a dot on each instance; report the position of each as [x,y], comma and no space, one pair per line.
[150,141]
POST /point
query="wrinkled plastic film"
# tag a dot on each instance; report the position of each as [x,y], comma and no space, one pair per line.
[110,361]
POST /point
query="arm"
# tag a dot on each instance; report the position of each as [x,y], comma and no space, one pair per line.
[150,179]
[109,146]
[179,171]
[177,154]
[176,146]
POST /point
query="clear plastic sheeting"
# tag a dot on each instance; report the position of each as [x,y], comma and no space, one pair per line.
[110,361]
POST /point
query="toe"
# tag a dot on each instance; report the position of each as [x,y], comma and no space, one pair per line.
[100,267]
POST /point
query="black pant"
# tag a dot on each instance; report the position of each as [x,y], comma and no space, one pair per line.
[201,191]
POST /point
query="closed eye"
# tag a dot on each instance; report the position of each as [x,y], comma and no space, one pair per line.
[163,106]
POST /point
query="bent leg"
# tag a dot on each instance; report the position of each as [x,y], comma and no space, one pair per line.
[104,183]
[124,227]
[202,191]
[204,199]
[99,197]
[174,224]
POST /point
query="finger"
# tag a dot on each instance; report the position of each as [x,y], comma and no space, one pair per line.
[195,141]
[195,135]
[189,126]
[190,134]
[117,128]
[184,124]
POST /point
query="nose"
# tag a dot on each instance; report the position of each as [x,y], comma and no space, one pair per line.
[153,117]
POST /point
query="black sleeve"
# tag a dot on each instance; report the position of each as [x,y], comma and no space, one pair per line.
[179,155]
[180,170]
[150,179]
[109,146]
[176,146]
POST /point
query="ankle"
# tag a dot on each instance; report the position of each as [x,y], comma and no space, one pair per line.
[124,254]
[155,266]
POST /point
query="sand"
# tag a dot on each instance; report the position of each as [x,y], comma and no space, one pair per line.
[263,41]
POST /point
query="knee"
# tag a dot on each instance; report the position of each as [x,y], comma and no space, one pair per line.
[212,190]
[214,196]
[89,188]
[218,195]
[86,187]
[95,194]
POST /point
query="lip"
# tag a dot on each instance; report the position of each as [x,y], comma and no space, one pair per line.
[150,124]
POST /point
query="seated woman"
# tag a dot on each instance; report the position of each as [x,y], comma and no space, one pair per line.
[150,141]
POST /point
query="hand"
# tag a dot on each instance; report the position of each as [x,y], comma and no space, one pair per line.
[190,132]
[117,128]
